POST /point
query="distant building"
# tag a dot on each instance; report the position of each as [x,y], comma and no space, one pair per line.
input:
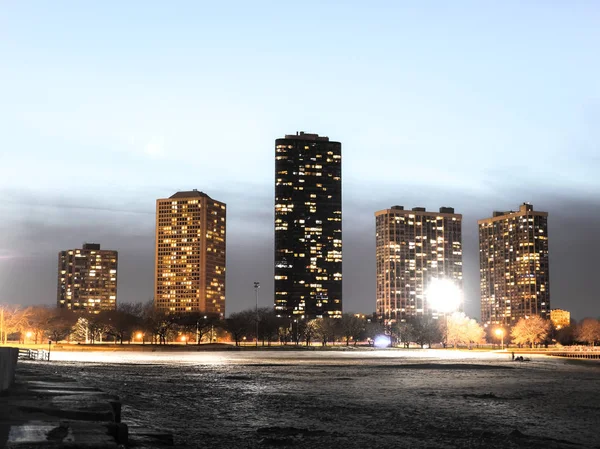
[514,272]
[87,279]
[412,248]
[190,254]
[560,318]
[308,226]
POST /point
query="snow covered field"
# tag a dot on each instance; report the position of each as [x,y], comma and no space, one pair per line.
[350,399]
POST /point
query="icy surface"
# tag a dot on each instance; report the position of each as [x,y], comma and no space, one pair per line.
[370,399]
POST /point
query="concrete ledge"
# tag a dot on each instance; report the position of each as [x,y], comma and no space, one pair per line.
[43,409]
[8,365]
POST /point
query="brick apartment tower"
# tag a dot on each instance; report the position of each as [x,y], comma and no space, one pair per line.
[87,279]
[412,248]
[513,265]
[190,254]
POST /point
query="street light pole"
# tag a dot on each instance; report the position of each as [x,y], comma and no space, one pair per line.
[256,287]
[500,333]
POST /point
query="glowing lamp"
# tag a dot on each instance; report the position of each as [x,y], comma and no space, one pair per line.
[443,295]
[28,334]
[499,332]
[139,335]
[382,341]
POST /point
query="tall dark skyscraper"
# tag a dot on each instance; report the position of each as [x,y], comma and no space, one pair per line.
[308,226]
[513,257]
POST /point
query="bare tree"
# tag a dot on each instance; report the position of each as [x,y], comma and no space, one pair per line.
[326,329]
[268,325]
[38,322]
[588,331]
[60,324]
[14,319]
[373,329]
[350,327]
[461,329]
[426,330]
[530,330]
[308,330]
[404,332]
[239,324]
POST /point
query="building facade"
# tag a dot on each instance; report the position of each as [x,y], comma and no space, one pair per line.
[190,254]
[413,247]
[513,265]
[560,318]
[87,279]
[308,226]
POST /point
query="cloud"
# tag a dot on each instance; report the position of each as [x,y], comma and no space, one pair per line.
[573,224]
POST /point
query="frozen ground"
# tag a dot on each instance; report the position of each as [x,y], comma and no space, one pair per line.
[372,399]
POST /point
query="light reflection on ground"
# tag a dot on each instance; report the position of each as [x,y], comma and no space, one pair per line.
[280,357]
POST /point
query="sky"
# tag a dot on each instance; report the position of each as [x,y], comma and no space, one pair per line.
[107,106]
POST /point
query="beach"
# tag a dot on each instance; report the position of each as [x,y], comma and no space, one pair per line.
[349,399]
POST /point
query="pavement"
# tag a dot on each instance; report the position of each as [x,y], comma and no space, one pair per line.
[54,411]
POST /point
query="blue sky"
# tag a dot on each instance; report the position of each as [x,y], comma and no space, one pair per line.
[106,106]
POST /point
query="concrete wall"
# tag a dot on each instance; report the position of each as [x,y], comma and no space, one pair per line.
[8,364]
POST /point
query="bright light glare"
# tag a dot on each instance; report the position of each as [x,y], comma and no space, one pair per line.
[28,334]
[499,332]
[382,341]
[443,295]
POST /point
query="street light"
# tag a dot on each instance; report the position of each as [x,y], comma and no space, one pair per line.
[500,334]
[256,287]
[443,296]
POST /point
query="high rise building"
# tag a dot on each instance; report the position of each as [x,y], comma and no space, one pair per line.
[513,265]
[190,254]
[87,279]
[308,226]
[414,247]
[560,318]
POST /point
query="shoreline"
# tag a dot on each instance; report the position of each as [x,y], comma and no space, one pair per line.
[178,347]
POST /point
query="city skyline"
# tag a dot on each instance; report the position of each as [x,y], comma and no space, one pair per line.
[433,105]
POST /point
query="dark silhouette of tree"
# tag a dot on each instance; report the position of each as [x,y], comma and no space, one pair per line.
[426,330]
[120,324]
[268,325]
[403,332]
[373,329]
[60,324]
[351,328]
[240,324]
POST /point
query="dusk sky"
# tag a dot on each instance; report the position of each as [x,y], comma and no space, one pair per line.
[107,106]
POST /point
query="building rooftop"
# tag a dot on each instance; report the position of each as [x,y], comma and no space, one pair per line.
[306,136]
[523,209]
[189,194]
[443,210]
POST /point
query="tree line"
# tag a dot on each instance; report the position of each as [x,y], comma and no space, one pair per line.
[141,322]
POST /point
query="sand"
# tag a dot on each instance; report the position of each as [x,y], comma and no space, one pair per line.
[362,399]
